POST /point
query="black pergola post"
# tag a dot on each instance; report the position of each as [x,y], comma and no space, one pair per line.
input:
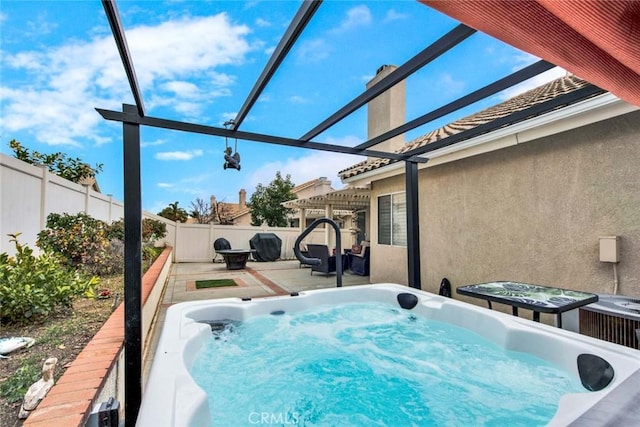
[132,270]
[413,225]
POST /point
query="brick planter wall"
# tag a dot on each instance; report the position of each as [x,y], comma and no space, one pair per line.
[71,399]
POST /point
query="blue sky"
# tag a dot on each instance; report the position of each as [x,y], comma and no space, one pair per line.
[197,61]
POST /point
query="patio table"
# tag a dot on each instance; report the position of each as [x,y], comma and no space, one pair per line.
[236,259]
[539,299]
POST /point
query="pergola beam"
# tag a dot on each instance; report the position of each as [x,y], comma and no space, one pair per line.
[490,89]
[440,46]
[299,22]
[111,10]
[125,117]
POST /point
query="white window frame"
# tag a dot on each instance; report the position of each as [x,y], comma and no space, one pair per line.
[397,220]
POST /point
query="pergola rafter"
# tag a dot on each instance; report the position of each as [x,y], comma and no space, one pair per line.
[439,47]
[302,18]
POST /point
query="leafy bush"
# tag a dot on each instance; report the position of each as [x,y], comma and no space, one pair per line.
[33,286]
[152,230]
[149,255]
[80,240]
[74,170]
[15,387]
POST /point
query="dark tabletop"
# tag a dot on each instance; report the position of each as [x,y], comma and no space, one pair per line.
[544,299]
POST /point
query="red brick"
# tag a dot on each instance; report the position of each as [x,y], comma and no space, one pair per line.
[81,376]
[58,411]
[76,420]
[88,367]
[90,384]
[70,397]
[89,360]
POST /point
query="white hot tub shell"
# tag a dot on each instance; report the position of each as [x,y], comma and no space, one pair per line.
[172,398]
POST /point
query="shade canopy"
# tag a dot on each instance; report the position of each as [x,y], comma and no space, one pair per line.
[598,40]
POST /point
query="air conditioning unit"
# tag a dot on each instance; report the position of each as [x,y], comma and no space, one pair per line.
[613,318]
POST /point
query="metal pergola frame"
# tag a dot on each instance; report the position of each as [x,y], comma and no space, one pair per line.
[134,116]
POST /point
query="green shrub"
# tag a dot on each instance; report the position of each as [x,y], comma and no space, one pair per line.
[91,245]
[152,230]
[149,255]
[75,237]
[82,242]
[16,385]
[33,286]
[58,163]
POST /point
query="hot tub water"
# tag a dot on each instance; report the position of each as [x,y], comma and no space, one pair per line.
[370,364]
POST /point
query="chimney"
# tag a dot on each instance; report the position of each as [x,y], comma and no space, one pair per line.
[322,186]
[242,199]
[386,111]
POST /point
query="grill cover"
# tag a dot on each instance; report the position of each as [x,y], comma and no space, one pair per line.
[267,246]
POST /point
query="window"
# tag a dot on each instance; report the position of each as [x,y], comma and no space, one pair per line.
[392,219]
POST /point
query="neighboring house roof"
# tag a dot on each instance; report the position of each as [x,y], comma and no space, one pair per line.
[345,200]
[521,102]
[295,190]
[240,213]
[304,185]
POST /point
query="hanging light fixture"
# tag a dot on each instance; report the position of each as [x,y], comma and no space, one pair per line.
[230,160]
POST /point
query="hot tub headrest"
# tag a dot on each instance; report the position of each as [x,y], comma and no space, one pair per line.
[595,372]
[407,300]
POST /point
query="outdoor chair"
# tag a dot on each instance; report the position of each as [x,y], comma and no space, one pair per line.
[359,262]
[219,245]
[328,264]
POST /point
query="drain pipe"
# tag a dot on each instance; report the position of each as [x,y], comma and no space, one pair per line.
[317,261]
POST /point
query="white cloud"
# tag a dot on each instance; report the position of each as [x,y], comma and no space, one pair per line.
[3,17]
[533,82]
[178,155]
[165,185]
[153,143]
[356,17]
[312,50]
[447,84]
[295,99]
[260,22]
[393,15]
[305,168]
[185,89]
[63,84]
[40,27]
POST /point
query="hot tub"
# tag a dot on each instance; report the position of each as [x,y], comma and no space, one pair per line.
[172,397]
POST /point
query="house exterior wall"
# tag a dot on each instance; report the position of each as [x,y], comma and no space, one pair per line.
[388,263]
[531,213]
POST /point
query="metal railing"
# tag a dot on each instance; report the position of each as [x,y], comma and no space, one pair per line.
[317,261]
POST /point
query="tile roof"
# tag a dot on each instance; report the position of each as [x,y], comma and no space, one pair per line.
[521,102]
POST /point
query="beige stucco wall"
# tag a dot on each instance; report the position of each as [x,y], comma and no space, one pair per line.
[531,213]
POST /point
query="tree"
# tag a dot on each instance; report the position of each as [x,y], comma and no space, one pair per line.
[74,170]
[202,212]
[266,202]
[174,213]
